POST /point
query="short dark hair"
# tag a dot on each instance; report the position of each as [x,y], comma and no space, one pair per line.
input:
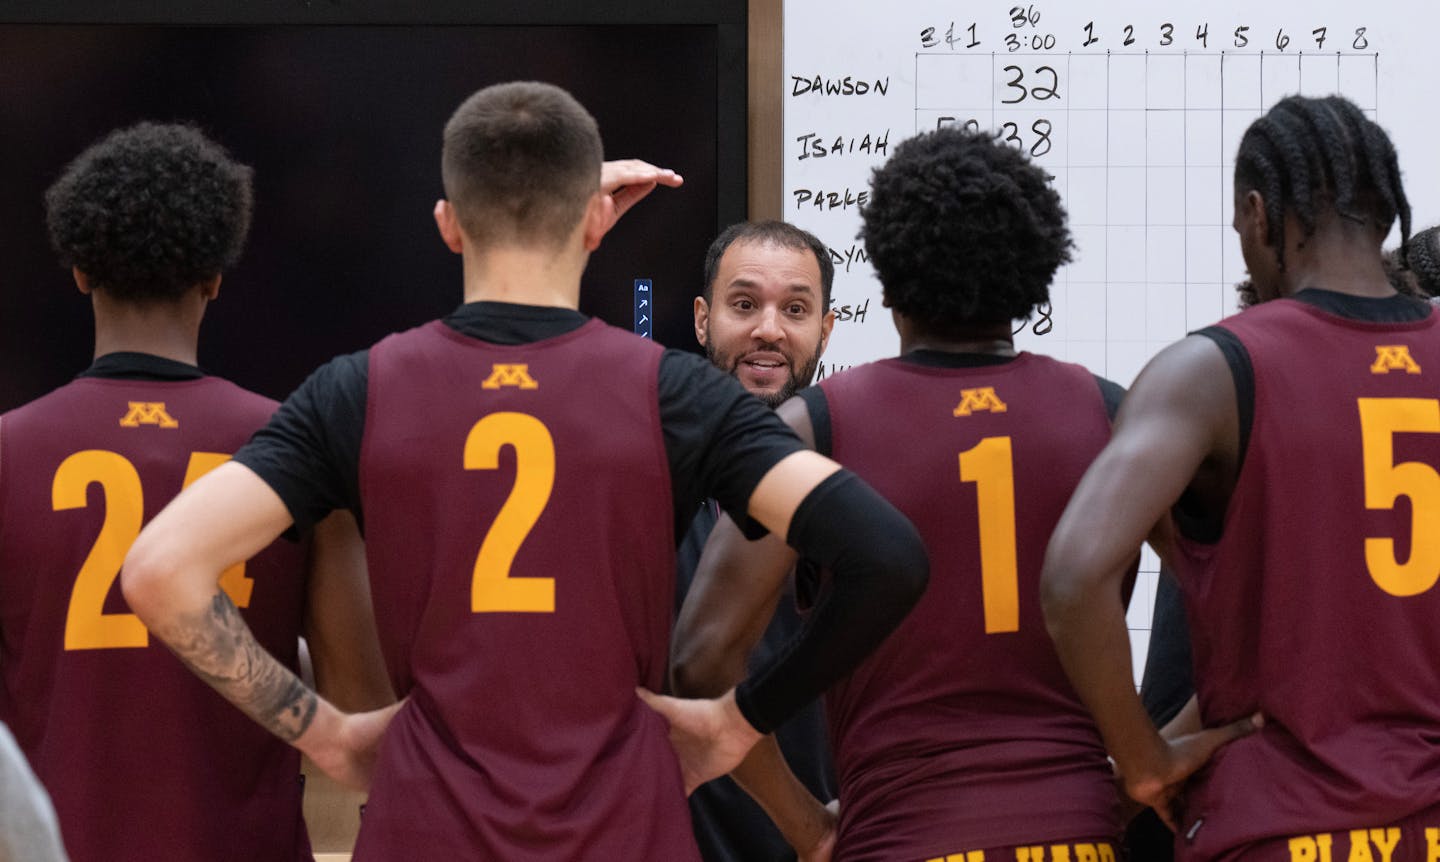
[150,212]
[963,229]
[769,232]
[520,162]
[1305,154]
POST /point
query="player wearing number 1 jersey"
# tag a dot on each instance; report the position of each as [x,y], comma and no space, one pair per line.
[522,471]
[1297,445]
[960,735]
[143,761]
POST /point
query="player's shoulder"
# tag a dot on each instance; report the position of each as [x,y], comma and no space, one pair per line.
[61,398]
[239,395]
[1192,375]
[338,373]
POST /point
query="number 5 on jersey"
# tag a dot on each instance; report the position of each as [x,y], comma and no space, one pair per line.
[87,625]
[1386,482]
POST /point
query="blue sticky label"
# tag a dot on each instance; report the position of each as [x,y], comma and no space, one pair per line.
[643,307]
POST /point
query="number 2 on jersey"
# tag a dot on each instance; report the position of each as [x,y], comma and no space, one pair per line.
[87,625]
[491,587]
[1385,482]
[988,464]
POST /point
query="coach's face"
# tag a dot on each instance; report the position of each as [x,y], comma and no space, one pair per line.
[766,321]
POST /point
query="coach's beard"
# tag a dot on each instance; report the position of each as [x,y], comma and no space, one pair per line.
[796,379]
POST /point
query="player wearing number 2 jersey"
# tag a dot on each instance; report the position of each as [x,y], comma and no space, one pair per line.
[522,470]
[960,735]
[142,760]
[1297,444]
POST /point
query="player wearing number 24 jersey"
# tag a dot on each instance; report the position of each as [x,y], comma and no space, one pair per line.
[521,470]
[142,760]
[960,735]
[1297,444]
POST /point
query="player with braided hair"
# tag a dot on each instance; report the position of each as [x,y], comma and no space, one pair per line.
[1422,264]
[1276,446]
[1306,154]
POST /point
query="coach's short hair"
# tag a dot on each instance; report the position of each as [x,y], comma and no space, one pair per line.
[769,232]
[150,211]
[520,162]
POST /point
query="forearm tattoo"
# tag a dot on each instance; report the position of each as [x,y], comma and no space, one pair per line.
[220,648]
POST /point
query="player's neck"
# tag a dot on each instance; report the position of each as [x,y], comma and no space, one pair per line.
[170,329]
[1340,256]
[525,276]
[993,339]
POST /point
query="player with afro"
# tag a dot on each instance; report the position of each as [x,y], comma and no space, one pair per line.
[142,760]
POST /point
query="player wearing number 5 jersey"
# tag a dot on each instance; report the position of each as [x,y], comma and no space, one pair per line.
[1297,444]
[143,761]
[523,473]
[960,735]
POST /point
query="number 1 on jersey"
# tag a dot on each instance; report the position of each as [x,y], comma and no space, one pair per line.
[988,464]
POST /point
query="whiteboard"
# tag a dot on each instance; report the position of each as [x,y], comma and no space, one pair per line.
[1134,107]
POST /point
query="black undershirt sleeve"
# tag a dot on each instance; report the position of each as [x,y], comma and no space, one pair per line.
[1112,394]
[819,409]
[309,454]
[1194,522]
[879,570]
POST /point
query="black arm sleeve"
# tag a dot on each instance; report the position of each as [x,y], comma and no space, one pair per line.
[309,454]
[879,570]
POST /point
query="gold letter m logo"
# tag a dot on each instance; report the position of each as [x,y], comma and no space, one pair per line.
[147,413]
[1393,357]
[510,375]
[983,398]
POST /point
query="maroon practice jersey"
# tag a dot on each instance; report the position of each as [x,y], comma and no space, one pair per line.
[961,730]
[1318,607]
[142,759]
[519,532]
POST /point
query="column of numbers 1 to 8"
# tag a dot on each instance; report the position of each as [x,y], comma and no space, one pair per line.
[1141,146]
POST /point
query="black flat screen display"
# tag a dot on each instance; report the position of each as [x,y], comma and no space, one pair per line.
[342,124]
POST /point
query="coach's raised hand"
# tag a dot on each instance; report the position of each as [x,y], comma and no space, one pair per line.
[628,181]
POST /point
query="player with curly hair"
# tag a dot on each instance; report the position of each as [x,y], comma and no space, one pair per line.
[960,735]
[1280,443]
[143,761]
